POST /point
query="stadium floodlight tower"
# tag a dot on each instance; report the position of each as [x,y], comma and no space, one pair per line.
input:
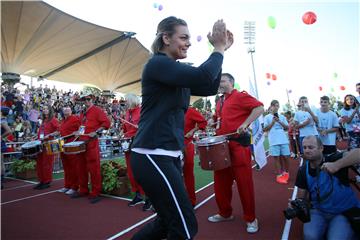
[249,39]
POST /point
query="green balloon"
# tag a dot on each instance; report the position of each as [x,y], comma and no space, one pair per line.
[237,86]
[335,75]
[272,22]
[332,89]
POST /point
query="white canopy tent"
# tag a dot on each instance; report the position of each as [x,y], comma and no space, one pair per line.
[40,40]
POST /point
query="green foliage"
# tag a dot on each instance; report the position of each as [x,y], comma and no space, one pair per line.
[110,172]
[288,107]
[199,104]
[19,165]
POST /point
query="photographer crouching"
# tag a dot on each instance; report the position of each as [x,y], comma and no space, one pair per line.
[326,203]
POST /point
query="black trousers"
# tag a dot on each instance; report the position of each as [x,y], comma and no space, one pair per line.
[161,179]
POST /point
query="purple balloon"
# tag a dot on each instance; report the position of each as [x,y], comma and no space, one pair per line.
[160,7]
[198,38]
[290,91]
[268,83]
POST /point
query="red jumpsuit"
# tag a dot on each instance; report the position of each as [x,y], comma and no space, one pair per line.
[133,116]
[89,161]
[45,162]
[192,118]
[235,109]
[67,127]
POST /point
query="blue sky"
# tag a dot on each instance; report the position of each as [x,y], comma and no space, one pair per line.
[302,56]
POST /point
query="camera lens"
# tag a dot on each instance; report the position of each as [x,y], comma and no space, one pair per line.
[290,213]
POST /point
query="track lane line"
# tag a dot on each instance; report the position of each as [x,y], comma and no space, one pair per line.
[33,196]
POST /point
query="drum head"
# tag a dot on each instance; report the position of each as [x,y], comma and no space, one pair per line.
[31,144]
[211,141]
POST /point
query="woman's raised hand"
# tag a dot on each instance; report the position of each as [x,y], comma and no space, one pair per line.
[220,37]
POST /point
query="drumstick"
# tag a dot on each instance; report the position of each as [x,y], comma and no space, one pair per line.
[136,126]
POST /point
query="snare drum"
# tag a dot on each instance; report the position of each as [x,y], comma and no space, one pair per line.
[52,147]
[74,147]
[31,148]
[214,153]
[125,144]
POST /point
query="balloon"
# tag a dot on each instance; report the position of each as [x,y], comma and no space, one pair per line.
[268,83]
[335,75]
[289,91]
[332,89]
[155,5]
[237,86]
[342,88]
[268,75]
[198,38]
[320,88]
[309,18]
[160,7]
[273,77]
[272,22]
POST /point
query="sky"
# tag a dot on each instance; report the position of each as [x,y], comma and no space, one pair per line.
[303,57]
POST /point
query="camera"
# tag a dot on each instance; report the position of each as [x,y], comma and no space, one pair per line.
[300,208]
[276,115]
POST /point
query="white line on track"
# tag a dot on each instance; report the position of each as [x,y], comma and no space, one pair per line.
[22,186]
[152,216]
[287,226]
[112,196]
[21,180]
[37,195]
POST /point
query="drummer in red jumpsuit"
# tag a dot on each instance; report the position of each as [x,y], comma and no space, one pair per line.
[193,121]
[70,124]
[235,111]
[129,128]
[45,162]
[94,120]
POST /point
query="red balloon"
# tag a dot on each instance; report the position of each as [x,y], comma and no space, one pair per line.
[268,75]
[342,88]
[320,88]
[309,18]
[273,77]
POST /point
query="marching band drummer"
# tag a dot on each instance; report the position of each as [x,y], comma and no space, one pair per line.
[70,124]
[129,128]
[235,111]
[45,162]
[194,120]
[93,120]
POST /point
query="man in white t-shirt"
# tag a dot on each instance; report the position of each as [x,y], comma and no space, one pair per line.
[276,125]
[358,91]
[328,125]
[305,121]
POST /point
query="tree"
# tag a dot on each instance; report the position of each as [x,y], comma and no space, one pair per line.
[288,107]
[199,104]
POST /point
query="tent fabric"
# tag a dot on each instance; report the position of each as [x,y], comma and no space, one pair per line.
[37,39]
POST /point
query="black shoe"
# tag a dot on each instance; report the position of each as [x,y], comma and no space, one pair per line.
[94,199]
[147,205]
[37,187]
[44,186]
[137,200]
[77,195]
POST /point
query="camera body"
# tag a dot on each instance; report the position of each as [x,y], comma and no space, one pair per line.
[300,208]
[276,115]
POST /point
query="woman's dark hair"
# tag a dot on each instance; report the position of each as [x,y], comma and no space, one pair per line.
[166,26]
[348,107]
[51,113]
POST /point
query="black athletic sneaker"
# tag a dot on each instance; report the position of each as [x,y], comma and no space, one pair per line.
[38,186]
[137,200]
[147,205]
